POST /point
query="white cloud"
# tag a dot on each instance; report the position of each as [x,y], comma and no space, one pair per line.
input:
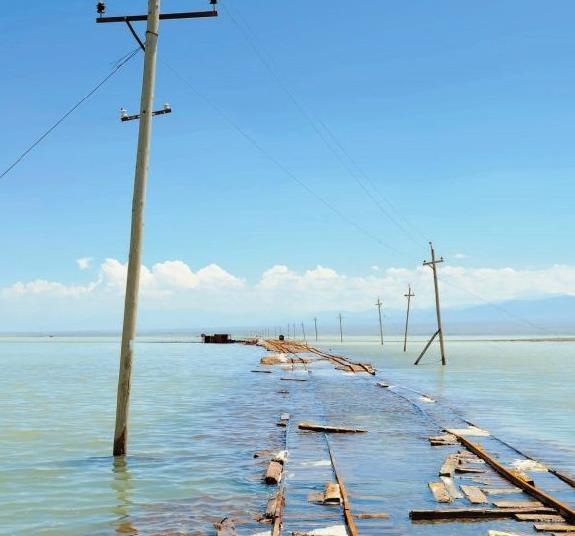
[461,256]
[84,262]
[173,285]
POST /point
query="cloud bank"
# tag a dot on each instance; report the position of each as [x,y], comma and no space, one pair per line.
[174,286]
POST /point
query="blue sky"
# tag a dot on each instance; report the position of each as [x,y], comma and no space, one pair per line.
[462,115]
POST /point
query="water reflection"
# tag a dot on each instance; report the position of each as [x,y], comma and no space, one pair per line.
[123,486]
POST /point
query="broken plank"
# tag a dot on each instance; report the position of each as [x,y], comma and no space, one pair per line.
[449,465]
[440,492]
[474,513]
[332,493]
[381,515]
[463,469]
[443,440]
[329,429]
[451,487]
[274,473]
[293,379]
[553,527]
[517,504]
[501,491]
[474,495]
[550,518]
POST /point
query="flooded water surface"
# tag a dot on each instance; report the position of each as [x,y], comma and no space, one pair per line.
[199,414]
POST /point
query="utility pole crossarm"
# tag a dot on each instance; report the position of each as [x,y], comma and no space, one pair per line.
[165,16]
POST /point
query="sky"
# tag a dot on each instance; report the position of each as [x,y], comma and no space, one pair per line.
[298,129]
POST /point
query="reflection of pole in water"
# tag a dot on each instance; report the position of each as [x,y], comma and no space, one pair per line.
[122,485]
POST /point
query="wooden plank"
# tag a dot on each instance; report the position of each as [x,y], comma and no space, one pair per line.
[550,518]
[332,493]
[474,513]
[329,429]
[274,473]
[553,527]
[451,487]
[381,515]
[474,495]
[440,492]
[443,440]
[565,510]
[449,465]
[517,504]
[501,491]
[463,469]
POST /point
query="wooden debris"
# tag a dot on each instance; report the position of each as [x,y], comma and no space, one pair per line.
[225,527]
[443,440]
[517,504]
[474,513]
[280,457]
[474,495]
[464,469]
[501,491]
[274,473]
[554,527]
[383,384]
[329,429]
[440,492]
[522,476]
[284,419]
[469,431]
[372,516]
[449,465]
[332,493]
[293,379]
[550,518]
[262,371]
[451,487]
[274,359]
[564,509]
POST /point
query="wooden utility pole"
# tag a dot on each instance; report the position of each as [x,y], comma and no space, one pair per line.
[340,329]
[315,324]
[138,203]
[303,331]
[433,265]
[294,335]
[409,295]
[378,305]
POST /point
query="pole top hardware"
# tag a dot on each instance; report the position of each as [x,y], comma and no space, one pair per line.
[167,109]
[101,8]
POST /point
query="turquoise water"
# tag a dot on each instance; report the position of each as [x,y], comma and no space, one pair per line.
[199,414]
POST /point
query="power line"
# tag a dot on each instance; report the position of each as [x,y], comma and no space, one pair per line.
[118,65]
[319,130]
[279,164]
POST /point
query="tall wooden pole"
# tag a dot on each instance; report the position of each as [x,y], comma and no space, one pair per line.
[433,264]
[136,237]
[315,324]
[409,295]
[378,305]
[340,329]
[303,331]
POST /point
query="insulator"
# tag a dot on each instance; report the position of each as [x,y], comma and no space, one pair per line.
[101,7]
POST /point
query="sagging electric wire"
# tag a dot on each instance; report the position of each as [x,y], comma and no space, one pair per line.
[117,66]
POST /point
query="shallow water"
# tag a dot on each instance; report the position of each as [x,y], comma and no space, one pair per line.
[199,414]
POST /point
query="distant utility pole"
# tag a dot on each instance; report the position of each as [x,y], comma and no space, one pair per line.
[433,264]
[303,331]
[409,295]
[294,335]
[141,178]
[315,324]
[378,305]
[340,329]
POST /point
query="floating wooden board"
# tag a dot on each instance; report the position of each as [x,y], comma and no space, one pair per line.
[262,371]
[443,440]
[451,487]
[554,527]
[474,495]
[440,492]
[274,473]
[381,515]
[329,429]
[293,379]
[549,518]
[463,469]
[517,504]
[501,491]
[332,493]
[475,513]
[449,465]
